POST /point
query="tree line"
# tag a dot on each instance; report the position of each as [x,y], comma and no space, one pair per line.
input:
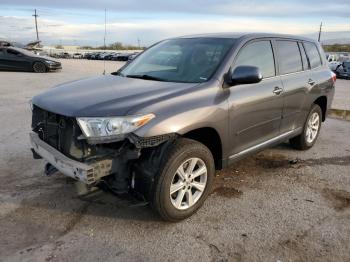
[337,48]
[114,46]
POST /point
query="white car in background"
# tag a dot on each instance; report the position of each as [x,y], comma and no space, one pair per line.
[77,56]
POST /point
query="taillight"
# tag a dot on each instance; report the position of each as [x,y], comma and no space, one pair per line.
[334,77]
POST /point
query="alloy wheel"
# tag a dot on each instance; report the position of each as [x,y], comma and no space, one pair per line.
[188,183]
[312,128]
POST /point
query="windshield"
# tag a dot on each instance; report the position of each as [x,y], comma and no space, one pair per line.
[190,60]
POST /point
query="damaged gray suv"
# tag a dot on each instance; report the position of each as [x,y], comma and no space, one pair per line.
[159,127]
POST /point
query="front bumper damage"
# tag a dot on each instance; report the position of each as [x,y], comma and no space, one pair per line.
[121,166]
[87,173]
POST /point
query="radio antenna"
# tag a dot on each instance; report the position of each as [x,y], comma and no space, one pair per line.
[320,32]
[104,43]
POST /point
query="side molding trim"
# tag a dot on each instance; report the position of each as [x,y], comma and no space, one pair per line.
[265,144]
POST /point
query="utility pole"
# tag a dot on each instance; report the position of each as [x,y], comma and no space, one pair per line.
[319,33]
[104,43]
[36,24]
[138,42]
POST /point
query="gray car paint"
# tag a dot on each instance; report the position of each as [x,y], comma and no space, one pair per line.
[244,116]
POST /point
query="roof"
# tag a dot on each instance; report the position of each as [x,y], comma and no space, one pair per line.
[247,35]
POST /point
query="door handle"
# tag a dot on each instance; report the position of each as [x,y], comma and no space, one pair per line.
[277,90]
[311,82]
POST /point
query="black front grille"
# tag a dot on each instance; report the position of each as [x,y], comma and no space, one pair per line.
[59,131]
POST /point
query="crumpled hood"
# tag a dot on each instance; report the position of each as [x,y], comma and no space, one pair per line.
[105,96]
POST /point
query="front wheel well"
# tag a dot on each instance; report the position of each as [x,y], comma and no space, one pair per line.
[322,102]
[211,139]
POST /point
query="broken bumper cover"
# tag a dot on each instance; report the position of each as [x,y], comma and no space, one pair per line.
[87,173]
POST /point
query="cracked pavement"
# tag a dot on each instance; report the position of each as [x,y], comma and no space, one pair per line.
[280,204]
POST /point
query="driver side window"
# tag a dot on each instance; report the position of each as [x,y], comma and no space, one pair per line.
[257,54]
[12,52]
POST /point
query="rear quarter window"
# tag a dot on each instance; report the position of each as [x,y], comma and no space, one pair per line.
[313,54]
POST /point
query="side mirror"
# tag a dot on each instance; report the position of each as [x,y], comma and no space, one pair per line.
[245,75]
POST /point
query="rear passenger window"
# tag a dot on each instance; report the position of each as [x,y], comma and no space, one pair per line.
[289,58]
[258,54]
[313,54]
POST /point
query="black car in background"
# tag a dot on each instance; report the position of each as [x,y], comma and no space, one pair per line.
[343,70]
[17,59]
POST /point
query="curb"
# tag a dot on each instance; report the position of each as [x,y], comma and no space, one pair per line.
[339,114]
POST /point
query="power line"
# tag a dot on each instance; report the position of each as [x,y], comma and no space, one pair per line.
[36,25]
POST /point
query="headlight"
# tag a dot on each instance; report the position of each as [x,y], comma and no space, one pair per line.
[50,62]
[99,127]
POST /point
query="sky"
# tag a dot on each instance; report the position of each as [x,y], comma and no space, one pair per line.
[81,22]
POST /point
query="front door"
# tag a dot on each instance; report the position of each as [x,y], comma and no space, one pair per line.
[255,109]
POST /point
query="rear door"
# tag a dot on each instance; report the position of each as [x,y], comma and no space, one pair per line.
[255,109]
[293,68]
[320,75]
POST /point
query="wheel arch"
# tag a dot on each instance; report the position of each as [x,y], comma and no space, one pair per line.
[211,139]
[322,102]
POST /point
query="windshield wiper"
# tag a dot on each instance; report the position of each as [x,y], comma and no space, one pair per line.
[117,73]
[146,77]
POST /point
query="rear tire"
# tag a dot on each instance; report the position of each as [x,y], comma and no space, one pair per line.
[39,67]
[184,181]
[311,130]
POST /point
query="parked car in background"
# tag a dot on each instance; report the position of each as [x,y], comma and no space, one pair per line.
[92,56]
[77,56]
[333,65]
[343,70]
[161,125]
[12,58]
[133,55]
[64,55]
[114,57]
[123,56]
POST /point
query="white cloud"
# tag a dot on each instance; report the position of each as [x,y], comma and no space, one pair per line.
[149,31]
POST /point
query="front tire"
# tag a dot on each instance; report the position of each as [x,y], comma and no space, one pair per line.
[311,130]
[184,181]
[39,67]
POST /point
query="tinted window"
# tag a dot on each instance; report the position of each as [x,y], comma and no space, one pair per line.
[346,64]
[258,54]
[313,54]
[2,53]
[12,52]
[304,58]
[289,58]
